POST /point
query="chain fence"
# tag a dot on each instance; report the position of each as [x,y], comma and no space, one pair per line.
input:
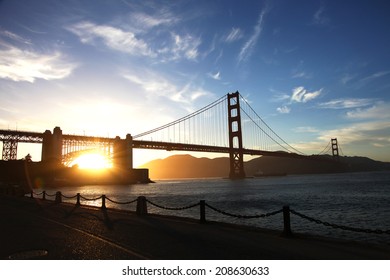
[121,202]
[285,210]
[90,199]
[173,208]
[244,216]
[335,226]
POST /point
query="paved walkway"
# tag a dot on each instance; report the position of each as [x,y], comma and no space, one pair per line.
[32,228]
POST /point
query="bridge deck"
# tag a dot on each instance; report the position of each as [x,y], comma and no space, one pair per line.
[37,137]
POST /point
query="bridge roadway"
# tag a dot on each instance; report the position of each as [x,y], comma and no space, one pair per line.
[37,137]
[64,231]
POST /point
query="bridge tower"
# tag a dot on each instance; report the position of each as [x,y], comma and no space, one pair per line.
[52,146]
[235,137]
[335,148]
[123,153]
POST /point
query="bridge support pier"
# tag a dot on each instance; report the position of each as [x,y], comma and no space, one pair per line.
[52,146]
[123,156]
[235,137]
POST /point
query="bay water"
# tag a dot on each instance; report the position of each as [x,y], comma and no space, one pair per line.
[358,200]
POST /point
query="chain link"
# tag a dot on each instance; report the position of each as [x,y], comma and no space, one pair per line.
[50,194]
[68,197]
[90,199]
[118,202]
[244,216]
[172,208]
[376,231]
[37,193]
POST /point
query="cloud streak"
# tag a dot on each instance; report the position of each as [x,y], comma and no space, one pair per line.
[184,46]
[380,110]
[176,48]
[370,133]
[301,95]
[216,76]
[247,48]
[22,65]
[346,103]
[283,110]
[157,85]
[320,18]
[112,37]
[234,35]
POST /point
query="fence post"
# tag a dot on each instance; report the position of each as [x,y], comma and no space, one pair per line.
[58,197]
[78,199]
[142,208]
[286,221]
[44,195]
[104,202]
[202,205]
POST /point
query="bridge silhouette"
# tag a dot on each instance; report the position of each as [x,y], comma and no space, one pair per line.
[228,125]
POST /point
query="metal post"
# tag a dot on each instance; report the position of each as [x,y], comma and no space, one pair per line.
[104,202]
[31,194]
[202,211]
[58,197]
[142,208]
[286,221]
[44,195]
[78,199]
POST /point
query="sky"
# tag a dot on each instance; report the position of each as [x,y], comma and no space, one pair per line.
[313,70]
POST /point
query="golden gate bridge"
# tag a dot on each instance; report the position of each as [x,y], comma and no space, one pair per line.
[228,125]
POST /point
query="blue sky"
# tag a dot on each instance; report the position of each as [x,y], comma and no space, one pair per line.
[311,69]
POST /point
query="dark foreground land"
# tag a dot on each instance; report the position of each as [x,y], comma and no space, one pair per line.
[39,229]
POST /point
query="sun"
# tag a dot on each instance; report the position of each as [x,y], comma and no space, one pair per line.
[92,161]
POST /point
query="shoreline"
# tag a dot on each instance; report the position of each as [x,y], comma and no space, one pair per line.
[116,233]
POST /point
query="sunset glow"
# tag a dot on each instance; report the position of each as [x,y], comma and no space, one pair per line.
[92,161]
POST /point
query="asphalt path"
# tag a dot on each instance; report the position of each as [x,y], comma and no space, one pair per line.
[36,229]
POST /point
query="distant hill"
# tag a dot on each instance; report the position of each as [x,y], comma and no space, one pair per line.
[187,166]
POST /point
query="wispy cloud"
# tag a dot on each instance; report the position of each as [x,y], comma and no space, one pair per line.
[278,96]
[369,133]
[155,84]
[306,129]
[346,78]
[247,48]
[346,103]
[283,109]
[358,82]
[25,65]
[146,21]
[234,35]
[380,110]
[301,74]
[112,37]
[375,76]
[374,134]
[184,46]
[300,94]
[320,17]
[14,37]
[216,76]
[177,47]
